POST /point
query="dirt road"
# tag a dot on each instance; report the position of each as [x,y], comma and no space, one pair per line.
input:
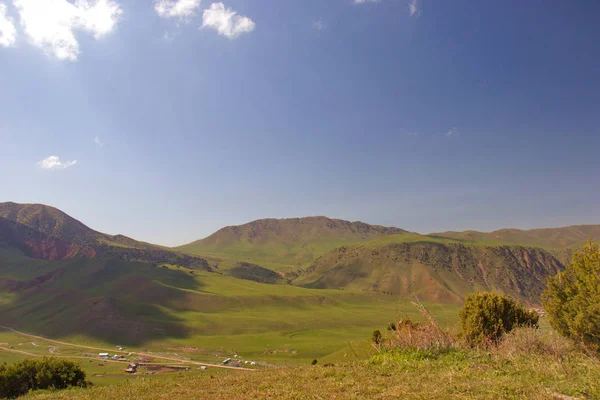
[112,351]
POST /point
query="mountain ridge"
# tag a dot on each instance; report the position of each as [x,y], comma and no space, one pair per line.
[433,269]
[552,238]
[45,232]
[291,242]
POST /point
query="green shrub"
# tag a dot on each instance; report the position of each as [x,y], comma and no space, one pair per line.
[314,362]
[485,317]
[572,299]
[48,373]
[391,326]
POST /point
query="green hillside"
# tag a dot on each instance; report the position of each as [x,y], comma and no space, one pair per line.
[433,268]
[62,279]
[284,244]
[256,273]
[171,309]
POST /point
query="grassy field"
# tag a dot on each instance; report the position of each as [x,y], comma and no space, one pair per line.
[170,309]
[390,375]
[357,370]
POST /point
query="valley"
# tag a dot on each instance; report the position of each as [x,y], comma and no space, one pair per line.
[279,292]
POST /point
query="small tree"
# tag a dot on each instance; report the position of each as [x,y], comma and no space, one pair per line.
[376,336]
[572,299]
[486,316]
[48,373]
[314,362]
[391,326]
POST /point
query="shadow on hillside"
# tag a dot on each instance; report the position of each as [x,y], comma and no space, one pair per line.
[115,301]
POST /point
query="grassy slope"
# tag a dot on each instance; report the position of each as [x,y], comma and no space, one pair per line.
[434,268]
[284,244]
[256,273]
[53,222]
[119,302]
[457,375]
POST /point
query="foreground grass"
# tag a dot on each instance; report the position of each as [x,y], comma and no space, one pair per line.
[458,374]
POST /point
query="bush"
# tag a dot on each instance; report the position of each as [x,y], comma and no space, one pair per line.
[485,317]
[572,299]
[48,373]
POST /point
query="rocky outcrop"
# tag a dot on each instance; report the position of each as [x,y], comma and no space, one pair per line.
[54,249]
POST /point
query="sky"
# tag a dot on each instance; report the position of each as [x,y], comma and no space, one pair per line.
[167,120]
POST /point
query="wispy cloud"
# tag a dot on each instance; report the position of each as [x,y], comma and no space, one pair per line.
[98,142]
[365,1]
[51,24]
[414,8]
[226,21]
[319,24]
[183,9]
[8,32]
[452,132]
[53,162]
[413,133]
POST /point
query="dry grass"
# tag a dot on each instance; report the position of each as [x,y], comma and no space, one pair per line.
[424,336]
[531,341]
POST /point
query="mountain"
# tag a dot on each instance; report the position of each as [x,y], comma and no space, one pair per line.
[548,238]
[60,278]
[41,231]
[285,244]
[433,268]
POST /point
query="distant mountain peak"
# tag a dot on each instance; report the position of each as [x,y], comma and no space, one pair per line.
[291,241]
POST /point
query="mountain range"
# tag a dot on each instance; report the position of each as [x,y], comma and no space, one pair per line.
[60,277]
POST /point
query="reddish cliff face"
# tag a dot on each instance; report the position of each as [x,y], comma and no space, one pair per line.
[38,245]
[54,249]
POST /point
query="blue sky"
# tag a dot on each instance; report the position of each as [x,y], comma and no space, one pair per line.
[186,117]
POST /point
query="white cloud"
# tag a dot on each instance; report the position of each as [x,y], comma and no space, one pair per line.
[365,1]
[51,24]
[183,9]
[8,32]
[452,131]
[414,8]
[413,133]
[98,142]
[226,21]
[53,162]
